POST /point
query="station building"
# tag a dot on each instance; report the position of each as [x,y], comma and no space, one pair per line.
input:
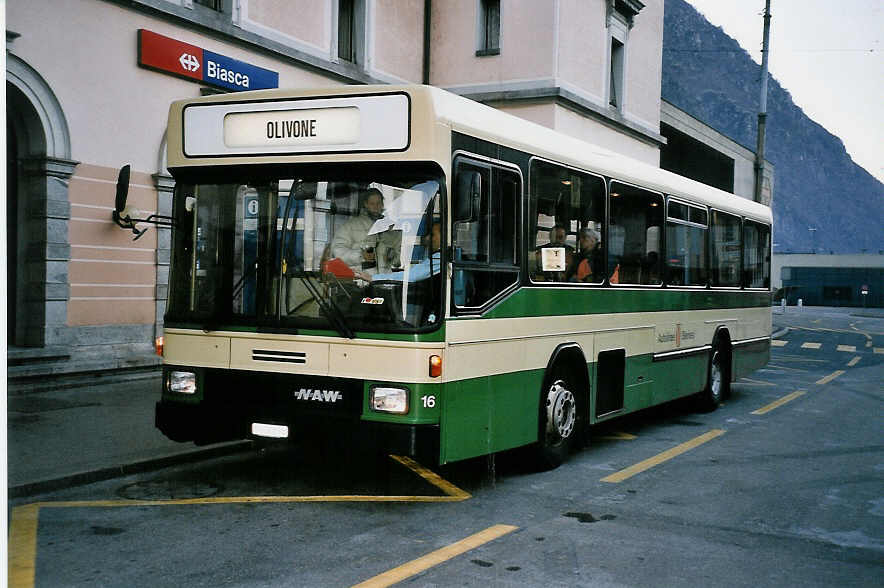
[87,92]
[82,101]
[829,280]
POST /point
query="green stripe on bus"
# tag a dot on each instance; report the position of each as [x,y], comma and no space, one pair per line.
[572,301]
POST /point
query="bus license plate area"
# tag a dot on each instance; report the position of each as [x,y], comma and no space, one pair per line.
[271,431]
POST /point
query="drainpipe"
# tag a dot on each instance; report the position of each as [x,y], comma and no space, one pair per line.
[428,9]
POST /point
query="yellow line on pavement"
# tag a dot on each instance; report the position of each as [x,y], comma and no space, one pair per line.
[854,361]
[24,519]
[433,478]
[662,457]
[788,398]
[437,557]
[23,545]
[830,377]
[878,349]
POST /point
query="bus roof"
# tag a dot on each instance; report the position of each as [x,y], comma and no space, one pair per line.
[430,107]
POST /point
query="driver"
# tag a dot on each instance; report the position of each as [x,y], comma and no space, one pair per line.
[366,254]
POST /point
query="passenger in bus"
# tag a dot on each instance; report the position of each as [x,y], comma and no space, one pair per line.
[430,266]
[367,254]
[557,236]
[588,264]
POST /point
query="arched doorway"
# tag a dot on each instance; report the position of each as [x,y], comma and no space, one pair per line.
[38,166]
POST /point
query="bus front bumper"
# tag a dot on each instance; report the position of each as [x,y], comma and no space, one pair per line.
[205,424]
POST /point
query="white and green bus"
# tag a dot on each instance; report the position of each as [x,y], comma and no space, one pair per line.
[443,277]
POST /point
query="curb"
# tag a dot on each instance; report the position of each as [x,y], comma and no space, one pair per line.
[122,470]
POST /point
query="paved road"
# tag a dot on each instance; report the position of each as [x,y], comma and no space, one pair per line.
[782,486]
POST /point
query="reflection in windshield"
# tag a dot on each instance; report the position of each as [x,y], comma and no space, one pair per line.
[307,253]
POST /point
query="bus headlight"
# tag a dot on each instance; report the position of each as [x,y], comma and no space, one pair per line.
[182,382]
[387,399]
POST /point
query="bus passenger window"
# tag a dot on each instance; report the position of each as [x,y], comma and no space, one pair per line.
[635,234]
[566,222]
[686,245]
[756,255]
[725,250]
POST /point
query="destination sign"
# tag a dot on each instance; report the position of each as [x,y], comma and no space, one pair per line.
[379,122]
[162,53]
[312,126]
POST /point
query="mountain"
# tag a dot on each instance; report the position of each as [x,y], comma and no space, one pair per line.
[816,183]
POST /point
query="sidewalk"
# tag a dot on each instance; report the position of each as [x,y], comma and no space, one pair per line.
[77,435]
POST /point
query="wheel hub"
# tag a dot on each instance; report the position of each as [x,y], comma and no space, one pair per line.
[561,411]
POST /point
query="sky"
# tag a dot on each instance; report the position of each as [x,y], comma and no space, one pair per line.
[828,54]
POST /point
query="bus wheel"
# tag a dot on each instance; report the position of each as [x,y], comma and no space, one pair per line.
[717,381]
[559,424]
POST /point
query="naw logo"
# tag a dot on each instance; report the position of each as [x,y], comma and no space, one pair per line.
[329,396]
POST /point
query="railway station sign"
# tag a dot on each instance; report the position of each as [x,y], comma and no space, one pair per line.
[188,61]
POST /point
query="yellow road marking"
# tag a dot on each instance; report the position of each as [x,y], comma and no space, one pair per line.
[619,436]
[437,557]
[811,345]
[23,536]
[878,349]
[830,377]
[754,382]
[662,457]
[432,477]
[854,361]
[24,519]
[850,348]
[778,342]
[788,398]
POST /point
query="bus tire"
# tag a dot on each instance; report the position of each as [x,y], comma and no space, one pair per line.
[560,419]
[717,378]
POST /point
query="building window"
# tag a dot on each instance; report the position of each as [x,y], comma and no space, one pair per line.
[347,30]
[212,4]
[615,98]
[489,28]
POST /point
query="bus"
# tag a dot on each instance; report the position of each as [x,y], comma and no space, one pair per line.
[444,278]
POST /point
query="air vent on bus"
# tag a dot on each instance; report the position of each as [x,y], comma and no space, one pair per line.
[284,356]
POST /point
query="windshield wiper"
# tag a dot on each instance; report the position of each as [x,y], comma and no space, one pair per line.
[326,306]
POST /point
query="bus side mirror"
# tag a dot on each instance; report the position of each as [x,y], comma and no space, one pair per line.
[122,189]
[122,215]
[469,189]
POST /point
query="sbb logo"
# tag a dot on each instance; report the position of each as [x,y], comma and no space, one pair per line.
[189,62]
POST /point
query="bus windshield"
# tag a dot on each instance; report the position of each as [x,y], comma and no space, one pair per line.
[289,251]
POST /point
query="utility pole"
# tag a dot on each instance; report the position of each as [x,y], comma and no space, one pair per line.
[762,112]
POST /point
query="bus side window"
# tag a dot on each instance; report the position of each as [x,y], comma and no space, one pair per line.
[564,204]
[485,210]
[636,234]
[725,249]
